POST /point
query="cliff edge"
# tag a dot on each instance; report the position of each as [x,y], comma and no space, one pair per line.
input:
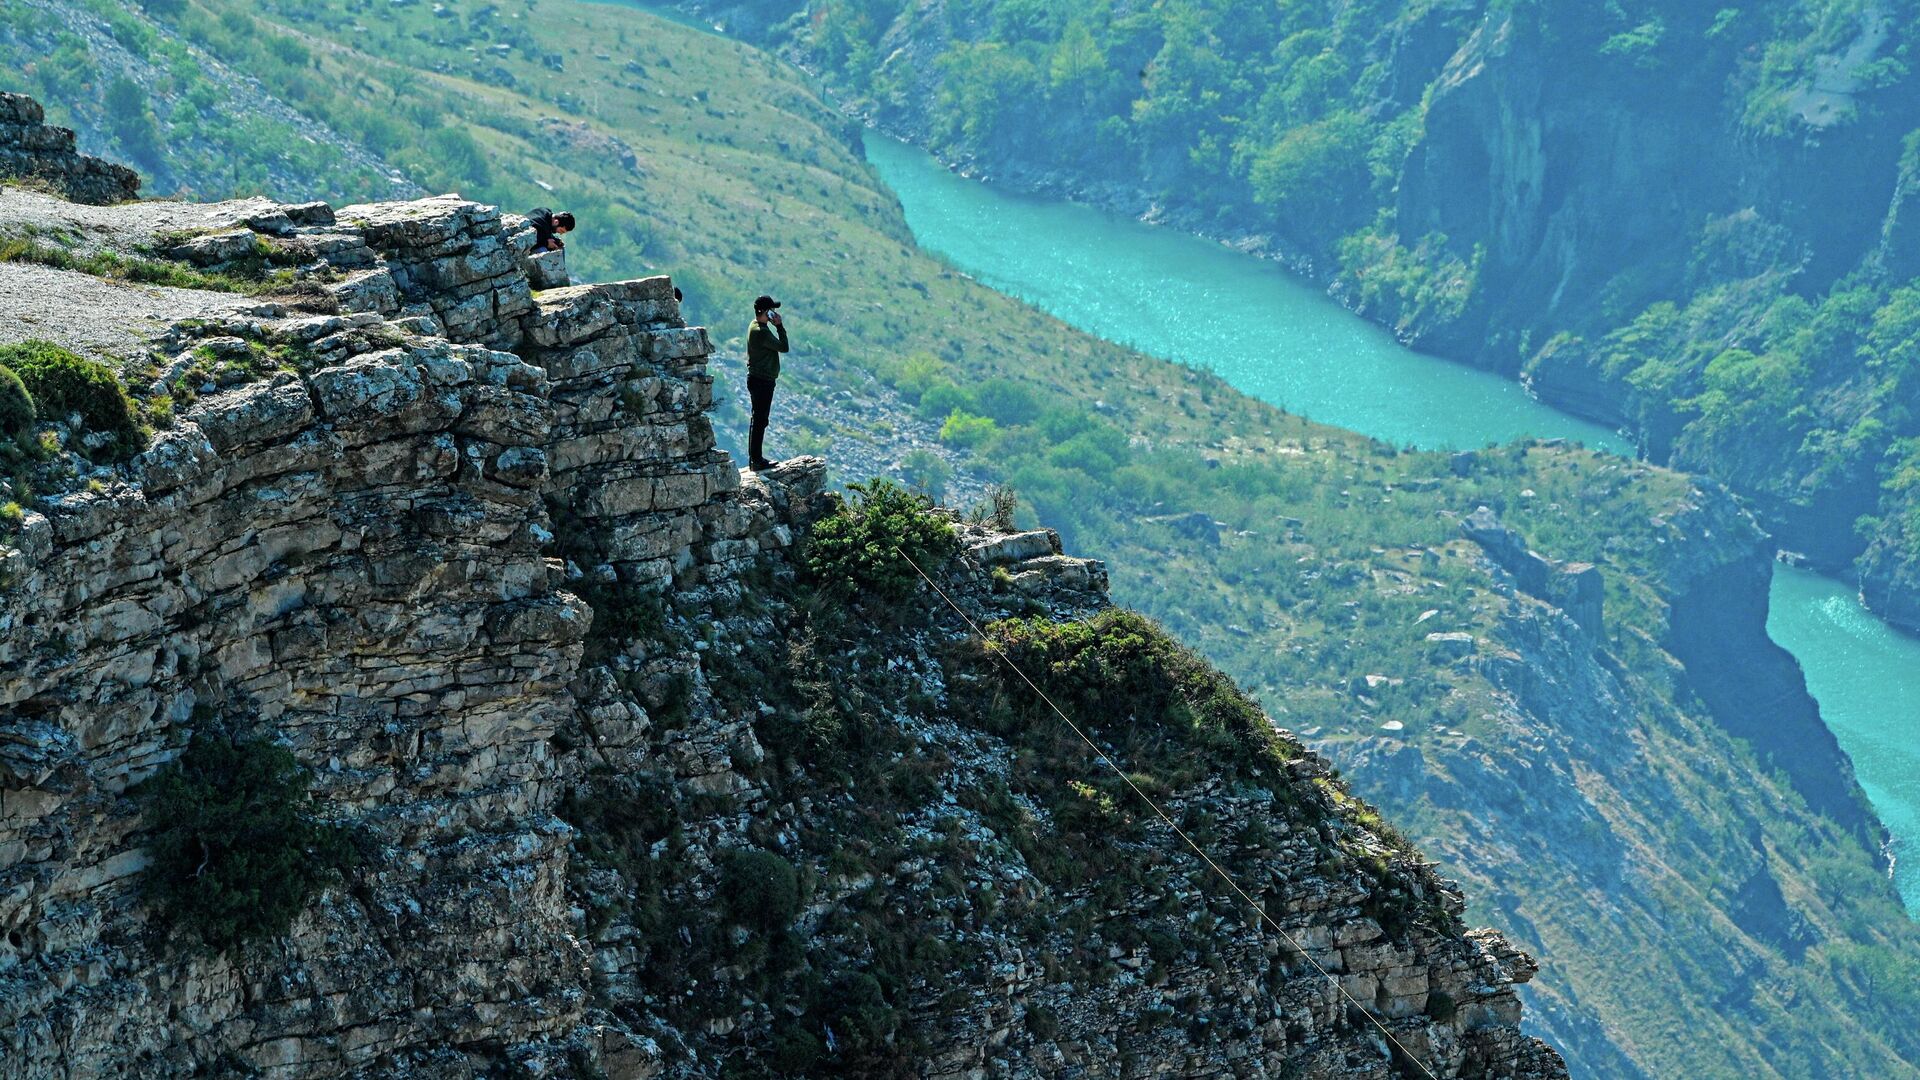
[640,779]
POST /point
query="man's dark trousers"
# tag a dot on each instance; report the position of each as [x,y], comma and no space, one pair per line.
[761,391]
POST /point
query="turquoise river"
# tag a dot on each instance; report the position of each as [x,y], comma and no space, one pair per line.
[1196,302]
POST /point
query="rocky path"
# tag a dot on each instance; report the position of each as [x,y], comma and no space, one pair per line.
[87,230]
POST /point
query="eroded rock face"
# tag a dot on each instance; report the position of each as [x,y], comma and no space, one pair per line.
[29,149]
[1575,588]
[353,561]
[334,565]
[382,559]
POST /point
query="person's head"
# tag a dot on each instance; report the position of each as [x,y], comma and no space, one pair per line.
[763,307]
[563,222]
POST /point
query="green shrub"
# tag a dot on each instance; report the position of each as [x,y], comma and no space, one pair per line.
[927,472]
[796,1051]
[758,889]
[963,429]
[1125,681]
[1441,1006]
[623,612]
[62,382]
[858,1009]
[859,547]
[1042,1023]
[236,851]
[16,406]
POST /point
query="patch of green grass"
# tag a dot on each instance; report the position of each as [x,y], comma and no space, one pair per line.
[115,266]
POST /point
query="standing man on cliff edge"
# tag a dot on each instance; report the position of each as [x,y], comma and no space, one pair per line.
[766,340]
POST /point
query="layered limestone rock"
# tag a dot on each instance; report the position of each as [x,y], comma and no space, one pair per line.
[1155,970]
[470,553]
[32,150]
[353,560]
[341,562]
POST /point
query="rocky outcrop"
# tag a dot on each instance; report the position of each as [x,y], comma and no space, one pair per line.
[471,555]
[1900,236]
[449,260]
[329,561]
[1575,588]
[352,561]
[1718,580]
[30,150]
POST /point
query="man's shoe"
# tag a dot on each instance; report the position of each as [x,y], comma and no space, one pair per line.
[762,465]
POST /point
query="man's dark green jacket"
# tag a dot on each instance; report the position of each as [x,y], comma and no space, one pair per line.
[765,343]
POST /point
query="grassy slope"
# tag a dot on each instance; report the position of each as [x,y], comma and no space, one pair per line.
[1773,132]
[746,182]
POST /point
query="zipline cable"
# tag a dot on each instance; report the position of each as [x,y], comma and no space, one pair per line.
[1163,816]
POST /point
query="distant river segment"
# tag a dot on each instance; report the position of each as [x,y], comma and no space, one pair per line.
[1866,676]
[1182,298]
[1280,339]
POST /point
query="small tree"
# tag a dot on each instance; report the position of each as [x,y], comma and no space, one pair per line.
[926,472]
[236,851]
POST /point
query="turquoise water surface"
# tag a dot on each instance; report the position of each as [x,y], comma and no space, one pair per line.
[1280,339]
[1193,301]
[1866,676]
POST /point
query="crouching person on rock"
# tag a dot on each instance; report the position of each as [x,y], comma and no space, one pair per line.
[547,227]
[766,340]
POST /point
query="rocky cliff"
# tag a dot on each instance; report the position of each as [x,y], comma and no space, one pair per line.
[634,791]
[30,149]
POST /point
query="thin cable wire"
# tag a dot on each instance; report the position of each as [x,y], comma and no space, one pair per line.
[1162,815]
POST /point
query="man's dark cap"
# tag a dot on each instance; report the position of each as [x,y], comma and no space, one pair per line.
[765,303]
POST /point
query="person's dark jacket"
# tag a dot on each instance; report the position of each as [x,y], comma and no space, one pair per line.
[765,343]
[541,219]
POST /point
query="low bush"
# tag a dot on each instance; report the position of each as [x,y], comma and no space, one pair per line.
[1136,689]
[16,406]
[859,548]
[623,613]
[61,382]
[237,852]
[758,889]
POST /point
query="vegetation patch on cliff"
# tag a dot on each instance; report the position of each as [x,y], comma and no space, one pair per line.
[870,547]
[252,279]
[237,850]
[61,382]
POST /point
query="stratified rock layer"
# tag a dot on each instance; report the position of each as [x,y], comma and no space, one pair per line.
[32,150]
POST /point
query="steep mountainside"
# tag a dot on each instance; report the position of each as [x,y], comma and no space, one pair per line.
[1694,220]
[621,785]
[1329,574]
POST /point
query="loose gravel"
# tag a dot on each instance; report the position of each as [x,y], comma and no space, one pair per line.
[93,316]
